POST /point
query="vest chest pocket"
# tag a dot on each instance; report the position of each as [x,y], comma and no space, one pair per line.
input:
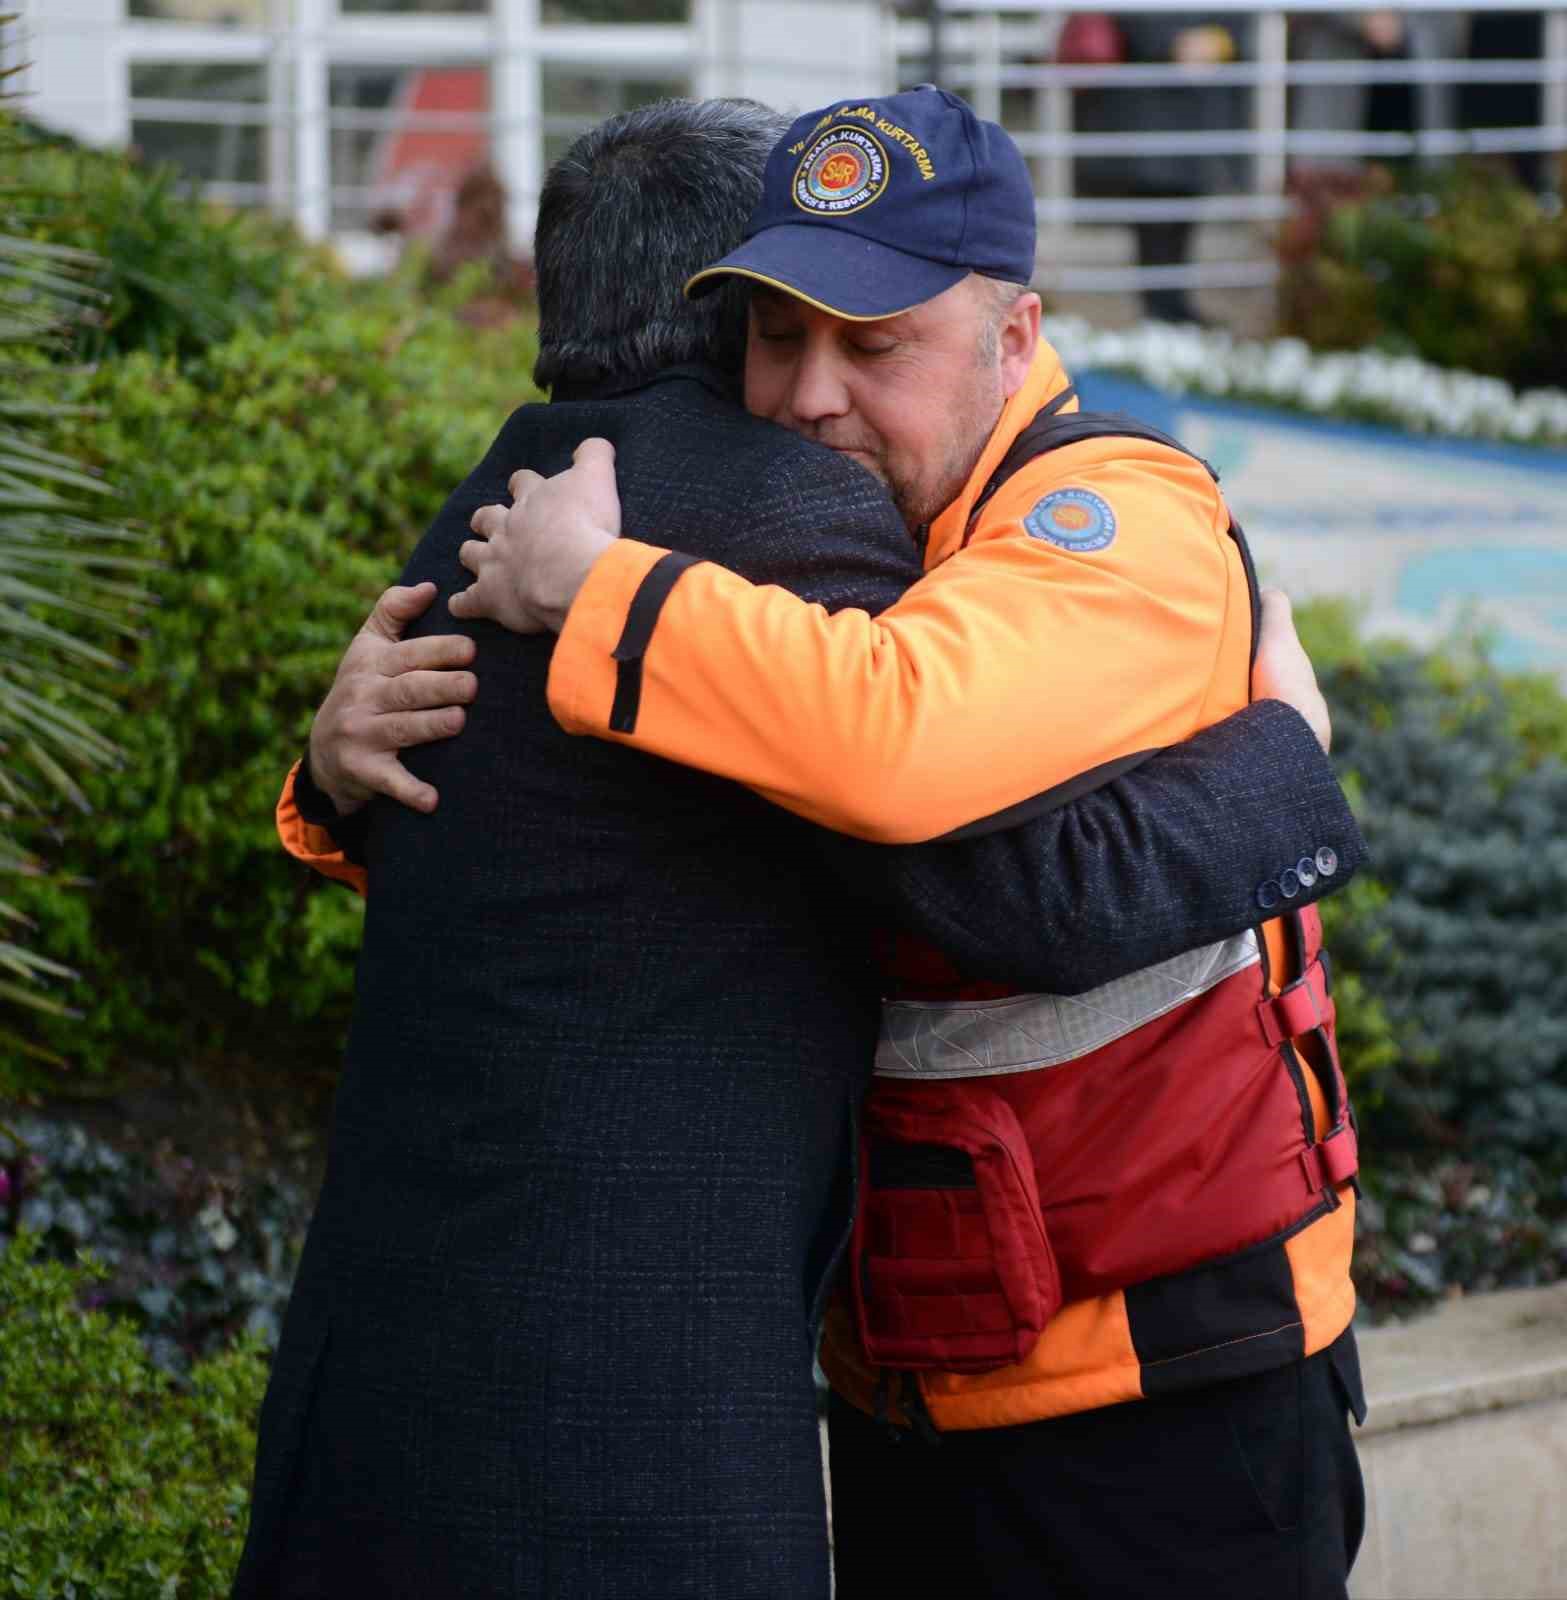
[951,1266]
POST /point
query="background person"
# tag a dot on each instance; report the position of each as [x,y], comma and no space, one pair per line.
[1191,39]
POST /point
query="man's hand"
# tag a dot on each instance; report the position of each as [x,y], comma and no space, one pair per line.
[529,561]
[389,693]
[1283,670]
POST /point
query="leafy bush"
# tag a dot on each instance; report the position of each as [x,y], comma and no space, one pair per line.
[68,569]
[1467,268]
[190,1257]
[1451,990]
[179,276]
[119,1484]
[285,474]
[1462,773]
[284,436]
[1428,1230]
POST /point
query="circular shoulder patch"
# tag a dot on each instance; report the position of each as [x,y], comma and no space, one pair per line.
[1075,519]
[844,170]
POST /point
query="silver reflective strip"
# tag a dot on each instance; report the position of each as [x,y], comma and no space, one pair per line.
[974,1038]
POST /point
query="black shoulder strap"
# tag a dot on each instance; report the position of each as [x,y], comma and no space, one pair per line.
[1050,430]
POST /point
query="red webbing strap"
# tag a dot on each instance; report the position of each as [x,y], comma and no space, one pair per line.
[1333,1160]
[1310,923]
[1303,1007]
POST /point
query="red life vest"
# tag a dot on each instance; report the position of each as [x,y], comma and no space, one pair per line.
[991,1198]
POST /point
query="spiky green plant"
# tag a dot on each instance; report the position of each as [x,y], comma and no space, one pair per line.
[70,570]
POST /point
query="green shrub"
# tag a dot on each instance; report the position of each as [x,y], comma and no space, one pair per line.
[179,276]
[68,571]
[1461,773]
[1467,269]
[118,1483]
[1451,989]
[1431,1227]
[191,1257]
[285,475]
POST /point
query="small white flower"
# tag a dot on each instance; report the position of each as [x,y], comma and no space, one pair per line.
[223,1234]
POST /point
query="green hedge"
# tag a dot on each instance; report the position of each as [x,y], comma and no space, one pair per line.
[1449,976]
[285,474]
[1460,774]
[178,277]
[118,1483]
[284,435]
[1464,267]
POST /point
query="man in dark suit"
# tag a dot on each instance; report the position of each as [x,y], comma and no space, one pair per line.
[589,1170]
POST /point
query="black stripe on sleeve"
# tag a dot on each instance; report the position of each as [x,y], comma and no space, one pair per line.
[1039,805]
[641,618]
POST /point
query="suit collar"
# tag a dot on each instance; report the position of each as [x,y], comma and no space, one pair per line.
[593,384]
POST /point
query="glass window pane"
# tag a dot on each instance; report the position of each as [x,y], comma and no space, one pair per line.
[634,11]
[244,81]
[403,139]
[250,13]
[574,99]
[171,122]
[404,7]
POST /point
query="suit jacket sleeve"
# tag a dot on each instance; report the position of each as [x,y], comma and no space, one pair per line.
[1165,859]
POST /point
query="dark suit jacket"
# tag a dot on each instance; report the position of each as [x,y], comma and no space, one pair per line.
[552,1334]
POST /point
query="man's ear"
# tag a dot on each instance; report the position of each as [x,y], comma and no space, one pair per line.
[1015,341]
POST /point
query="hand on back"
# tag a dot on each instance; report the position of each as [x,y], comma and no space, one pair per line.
[1283,670]
[389,693]
[531,559]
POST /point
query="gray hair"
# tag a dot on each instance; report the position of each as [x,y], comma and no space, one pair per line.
[635,207]
[996,298]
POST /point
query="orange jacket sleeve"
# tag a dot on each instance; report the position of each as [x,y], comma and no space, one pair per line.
[1013,667]
[312,845]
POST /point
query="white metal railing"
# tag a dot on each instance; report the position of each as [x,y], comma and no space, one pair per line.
[991,49]
[998,52]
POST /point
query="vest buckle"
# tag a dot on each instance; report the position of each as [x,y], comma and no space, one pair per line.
[1332,1160]
[1304,1006]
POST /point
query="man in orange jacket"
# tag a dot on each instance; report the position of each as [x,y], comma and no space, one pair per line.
[1150,1195]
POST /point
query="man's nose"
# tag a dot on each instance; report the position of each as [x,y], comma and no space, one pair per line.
[819,390]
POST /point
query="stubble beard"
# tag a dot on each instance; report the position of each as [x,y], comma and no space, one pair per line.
[922,496]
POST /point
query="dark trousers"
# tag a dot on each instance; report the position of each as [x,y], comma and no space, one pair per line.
[1166,244]
[1246,1490]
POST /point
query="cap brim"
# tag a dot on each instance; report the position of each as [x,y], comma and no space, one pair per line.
[833,270]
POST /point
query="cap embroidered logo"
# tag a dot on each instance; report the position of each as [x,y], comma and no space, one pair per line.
[842,171]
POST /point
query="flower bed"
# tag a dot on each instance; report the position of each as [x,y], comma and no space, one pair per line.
[1364,385]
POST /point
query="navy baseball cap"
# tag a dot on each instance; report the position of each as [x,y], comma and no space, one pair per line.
[871,207]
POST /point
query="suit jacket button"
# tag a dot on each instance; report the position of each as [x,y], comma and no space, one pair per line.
[1268,895]
[1289,883]
[1306,871]
[1327,861]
